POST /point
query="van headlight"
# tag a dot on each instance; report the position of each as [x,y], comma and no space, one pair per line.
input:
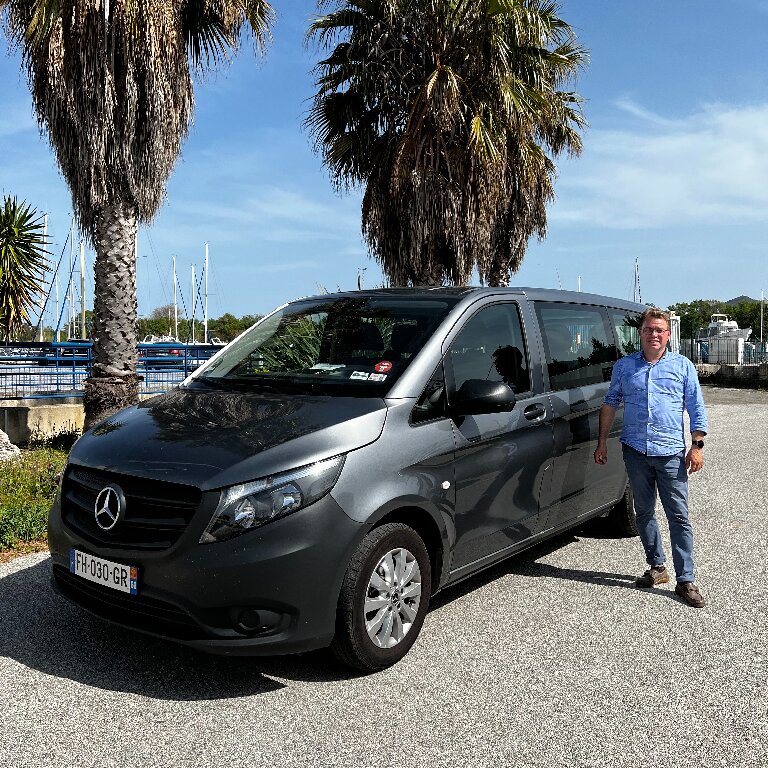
[245,507]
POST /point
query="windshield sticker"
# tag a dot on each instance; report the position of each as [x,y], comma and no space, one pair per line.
[326,367]
[377,377]
[383,367]
[358,375]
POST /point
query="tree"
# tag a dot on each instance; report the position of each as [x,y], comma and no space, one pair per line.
[227,327]
[447,113]
[164,312]
[697,314]
[112,87]
[22,265]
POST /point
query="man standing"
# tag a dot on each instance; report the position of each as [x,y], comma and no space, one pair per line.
[655,386]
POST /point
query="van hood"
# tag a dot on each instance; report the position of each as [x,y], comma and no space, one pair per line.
[211,439]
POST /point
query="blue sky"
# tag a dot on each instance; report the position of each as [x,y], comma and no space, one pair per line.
[674,170]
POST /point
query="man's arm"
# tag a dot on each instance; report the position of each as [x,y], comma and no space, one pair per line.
[607,414]
[694,404]
[694,460]
[613,399]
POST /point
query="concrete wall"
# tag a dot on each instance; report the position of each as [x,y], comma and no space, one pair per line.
[23,419]
[751,376]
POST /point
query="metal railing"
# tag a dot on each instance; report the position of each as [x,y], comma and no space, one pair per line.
[59,369]
[725,351]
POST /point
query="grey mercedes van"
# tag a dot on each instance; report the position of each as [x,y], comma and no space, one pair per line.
[320,478]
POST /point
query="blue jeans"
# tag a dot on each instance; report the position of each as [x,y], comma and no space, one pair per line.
[668,476]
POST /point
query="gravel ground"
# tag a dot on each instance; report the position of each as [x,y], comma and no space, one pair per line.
[552,659]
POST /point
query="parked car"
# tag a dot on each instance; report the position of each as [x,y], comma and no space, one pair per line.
[317,482]
[65,354]
[160,352]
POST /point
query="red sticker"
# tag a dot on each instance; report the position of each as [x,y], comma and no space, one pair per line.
[383,367]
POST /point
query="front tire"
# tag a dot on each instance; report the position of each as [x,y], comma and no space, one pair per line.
[384,598]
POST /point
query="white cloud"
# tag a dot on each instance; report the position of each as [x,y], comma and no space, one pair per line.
[710,167]
[279,215]
[270,269]
[629,106]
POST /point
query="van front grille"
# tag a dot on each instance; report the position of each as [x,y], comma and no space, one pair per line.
[156,512]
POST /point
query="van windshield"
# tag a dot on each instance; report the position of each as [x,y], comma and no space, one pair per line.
[349,346]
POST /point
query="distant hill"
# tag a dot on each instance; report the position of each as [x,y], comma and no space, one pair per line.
[739,300]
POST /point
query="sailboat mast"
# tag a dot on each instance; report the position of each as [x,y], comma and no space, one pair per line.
[636,295]
[56,329]
[205,321]
[192,302]
[83,334]
[175,305]
[70,292]
[45,240]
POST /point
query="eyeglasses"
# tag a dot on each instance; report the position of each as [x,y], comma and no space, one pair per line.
[651,331]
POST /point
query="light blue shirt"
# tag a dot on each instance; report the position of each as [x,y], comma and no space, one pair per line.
[654,398]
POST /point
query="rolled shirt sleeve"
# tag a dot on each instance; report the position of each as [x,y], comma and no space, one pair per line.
[615,395]
[694,400]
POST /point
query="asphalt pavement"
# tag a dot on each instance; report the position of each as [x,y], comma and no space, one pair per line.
[551,659]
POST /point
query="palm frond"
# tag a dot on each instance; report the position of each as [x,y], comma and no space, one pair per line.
[22,264]
[450,113]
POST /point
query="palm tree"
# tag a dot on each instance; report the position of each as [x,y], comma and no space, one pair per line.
[112,87]
[448,113]
[22,264]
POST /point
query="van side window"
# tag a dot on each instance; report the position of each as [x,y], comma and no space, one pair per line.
[627,325]
[579,348]
[491,347]
[431,404]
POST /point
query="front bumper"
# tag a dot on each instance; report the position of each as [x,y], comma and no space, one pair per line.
[269,591]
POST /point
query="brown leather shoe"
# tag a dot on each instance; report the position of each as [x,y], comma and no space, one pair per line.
[690,593]
[656,574]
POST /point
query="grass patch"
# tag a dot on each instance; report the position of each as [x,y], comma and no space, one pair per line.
[28,486]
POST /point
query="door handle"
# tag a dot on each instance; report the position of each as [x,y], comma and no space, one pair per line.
[535,411]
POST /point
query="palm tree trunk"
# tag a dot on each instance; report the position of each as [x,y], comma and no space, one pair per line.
[498,276]
[113,384]
[428,276]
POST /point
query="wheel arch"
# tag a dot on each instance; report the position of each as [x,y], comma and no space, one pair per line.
[431,532]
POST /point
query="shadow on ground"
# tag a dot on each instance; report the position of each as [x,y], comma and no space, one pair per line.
[526,564]
[41,630]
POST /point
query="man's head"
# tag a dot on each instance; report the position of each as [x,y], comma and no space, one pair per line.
[654,332]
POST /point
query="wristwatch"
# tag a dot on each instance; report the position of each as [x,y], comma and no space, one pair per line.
[697,444]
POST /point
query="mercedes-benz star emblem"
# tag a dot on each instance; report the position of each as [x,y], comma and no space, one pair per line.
[109,506]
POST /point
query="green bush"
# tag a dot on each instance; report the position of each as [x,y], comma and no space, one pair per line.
[28,487]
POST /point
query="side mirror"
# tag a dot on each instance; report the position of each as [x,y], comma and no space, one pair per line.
[476,396]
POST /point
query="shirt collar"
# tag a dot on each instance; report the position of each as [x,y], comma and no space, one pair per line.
[642,357]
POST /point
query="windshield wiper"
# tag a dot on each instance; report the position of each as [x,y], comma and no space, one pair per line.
[259,383]
[238,382]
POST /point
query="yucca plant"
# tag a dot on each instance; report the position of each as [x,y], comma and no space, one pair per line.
[112,86]
[448,113]
[23,264]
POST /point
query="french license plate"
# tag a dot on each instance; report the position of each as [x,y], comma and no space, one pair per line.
[123,578]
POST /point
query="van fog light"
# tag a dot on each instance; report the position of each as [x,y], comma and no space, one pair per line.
[251,505]
[250,621]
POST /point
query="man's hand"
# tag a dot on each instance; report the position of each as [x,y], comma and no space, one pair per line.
[601,452]
[694,460]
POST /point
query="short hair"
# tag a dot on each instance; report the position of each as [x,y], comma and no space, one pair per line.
[654,313]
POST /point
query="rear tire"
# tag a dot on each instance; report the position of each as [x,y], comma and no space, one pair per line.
[384,598]
[621,517]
